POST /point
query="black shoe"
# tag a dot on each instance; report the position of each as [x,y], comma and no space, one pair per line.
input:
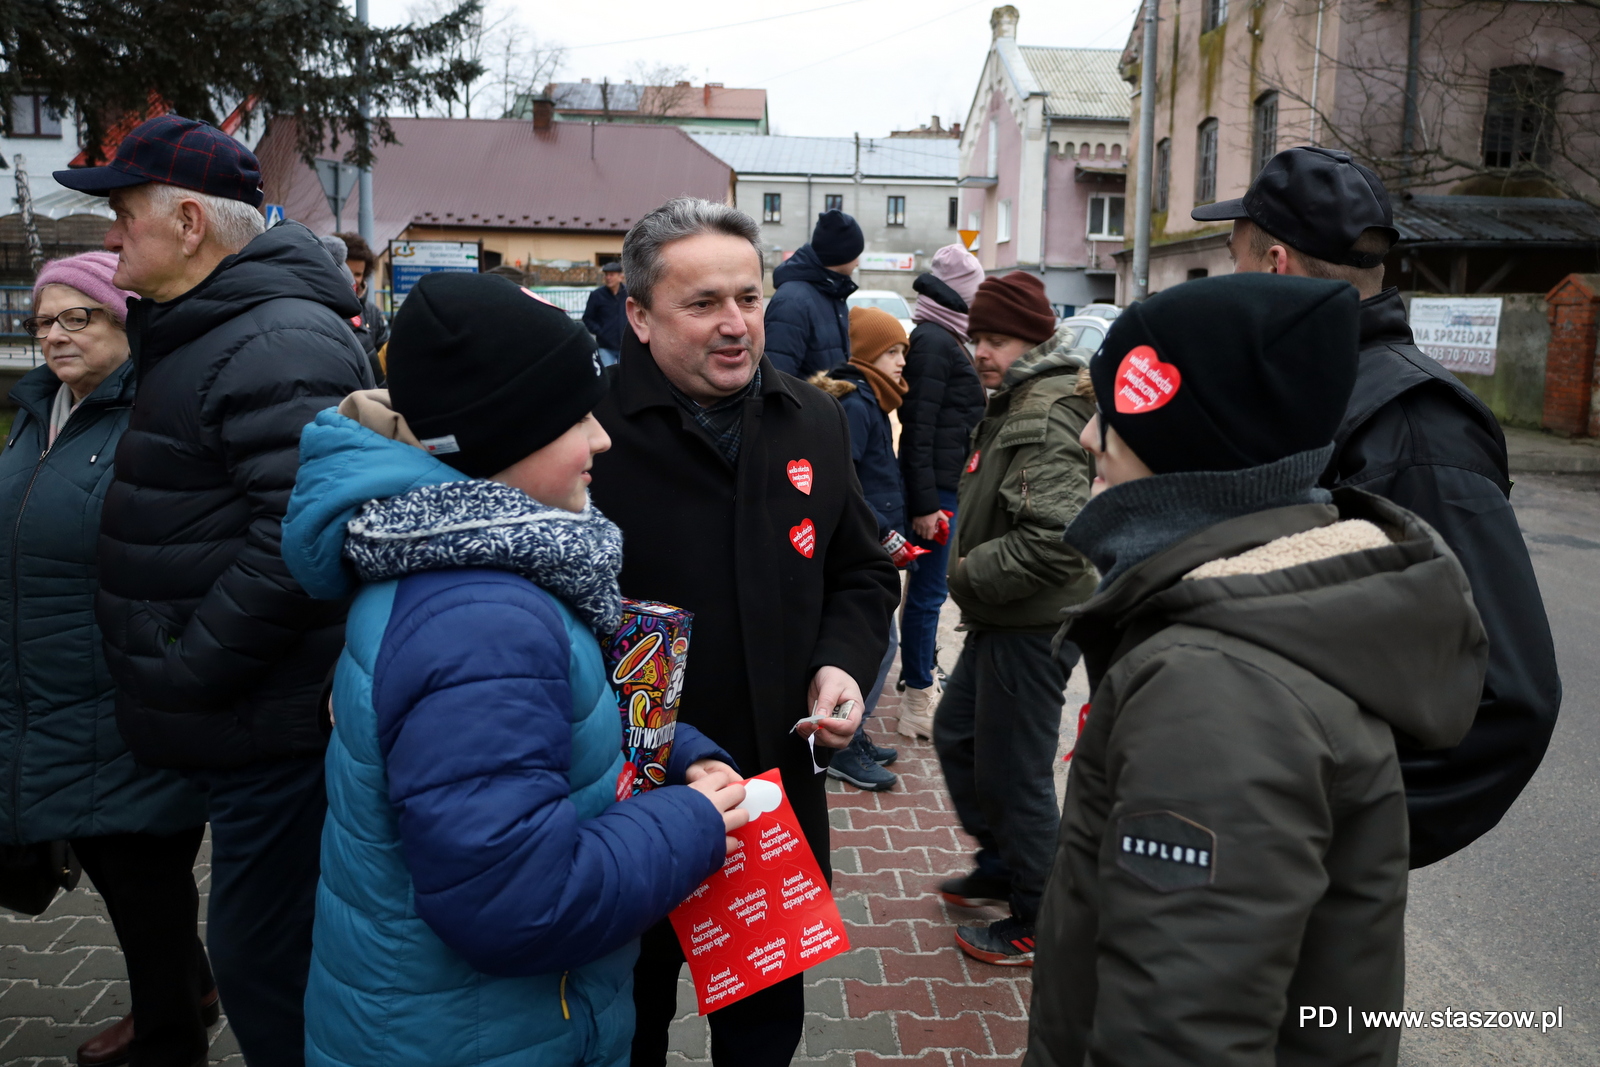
[976,890]
[855,765]
[1006,942]
[880,755]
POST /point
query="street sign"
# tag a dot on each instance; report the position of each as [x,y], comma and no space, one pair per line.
[274,213]
[410,260]
[906,261]
[338,182]
[967,237]
[1461,333]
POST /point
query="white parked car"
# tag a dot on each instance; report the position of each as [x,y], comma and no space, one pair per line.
[1108,312]
[884,300]
[1091,330]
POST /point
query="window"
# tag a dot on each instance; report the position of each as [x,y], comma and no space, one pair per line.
[896,214]
[994,149]
[1107,216]
[833,202]
[1213,13]
[975,224]
[955,209]
[1266,130]
[1158,202]
[1002,223]
[1205,163]
[771,207]
[31,118]
[1520,118]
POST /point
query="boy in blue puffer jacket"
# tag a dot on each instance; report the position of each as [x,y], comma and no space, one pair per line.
[482,888]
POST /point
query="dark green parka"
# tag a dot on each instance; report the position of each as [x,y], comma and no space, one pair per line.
[66,771]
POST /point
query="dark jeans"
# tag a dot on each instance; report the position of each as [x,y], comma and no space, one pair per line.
[266,843]
[996,731]
[147,881]
[762,1030]
[925,595]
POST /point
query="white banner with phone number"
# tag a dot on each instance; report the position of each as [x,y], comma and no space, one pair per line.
[1462,333]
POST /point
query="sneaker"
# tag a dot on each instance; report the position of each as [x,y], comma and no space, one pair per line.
[880,755]
[1007,942]
[916,711]
[854,764]
[976,890]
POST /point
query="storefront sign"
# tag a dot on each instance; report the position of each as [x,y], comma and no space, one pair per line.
[906,261]
[410,260]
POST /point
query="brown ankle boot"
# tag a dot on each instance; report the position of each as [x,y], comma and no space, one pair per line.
[110,1046]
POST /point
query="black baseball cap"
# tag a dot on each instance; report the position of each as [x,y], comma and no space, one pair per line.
[1317,201]
[611,267]
[177,151]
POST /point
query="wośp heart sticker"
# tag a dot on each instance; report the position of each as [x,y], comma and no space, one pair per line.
[799,471]
[804,538]
[1143,382]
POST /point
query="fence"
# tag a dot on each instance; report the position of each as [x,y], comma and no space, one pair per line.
[571,299]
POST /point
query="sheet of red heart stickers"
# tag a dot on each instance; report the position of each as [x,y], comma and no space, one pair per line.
[767,915]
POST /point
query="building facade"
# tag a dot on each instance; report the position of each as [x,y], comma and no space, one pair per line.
[1043,159]
[902,191]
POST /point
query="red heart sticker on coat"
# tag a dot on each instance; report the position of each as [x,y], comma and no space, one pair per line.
[804,538]
[1143,382]
[972,464]
[800,475]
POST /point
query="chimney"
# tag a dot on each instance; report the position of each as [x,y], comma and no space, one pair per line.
[544,111]
[706,94]
[1003,21]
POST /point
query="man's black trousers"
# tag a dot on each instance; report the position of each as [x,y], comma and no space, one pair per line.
[762,1030]
[996,730]
[147,882]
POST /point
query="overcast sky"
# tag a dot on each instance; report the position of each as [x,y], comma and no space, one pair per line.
[867,66]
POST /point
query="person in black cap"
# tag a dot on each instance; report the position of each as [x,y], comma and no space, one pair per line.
[219,657]
[1233,848]
[808,321]
[606,315]
[1415,434]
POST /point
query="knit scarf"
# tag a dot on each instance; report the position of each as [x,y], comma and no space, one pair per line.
[889,391]
[1129,523]
[573,555]
[930,310]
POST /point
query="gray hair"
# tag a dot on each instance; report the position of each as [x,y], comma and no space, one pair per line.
[232,223]
[685,216]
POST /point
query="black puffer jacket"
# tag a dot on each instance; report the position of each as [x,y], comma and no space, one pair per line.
[1414,434]
[808,322]
[945,401]
[217,653]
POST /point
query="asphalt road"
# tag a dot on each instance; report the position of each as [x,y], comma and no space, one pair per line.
[1513,922]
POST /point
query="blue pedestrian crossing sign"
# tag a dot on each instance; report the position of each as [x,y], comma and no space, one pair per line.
[274,213]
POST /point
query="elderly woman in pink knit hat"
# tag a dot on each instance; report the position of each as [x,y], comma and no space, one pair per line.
[68,777]
[942,405]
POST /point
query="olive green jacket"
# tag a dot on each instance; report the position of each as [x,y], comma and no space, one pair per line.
[1026,478]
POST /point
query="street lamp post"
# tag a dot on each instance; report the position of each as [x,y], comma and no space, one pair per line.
[1147,155]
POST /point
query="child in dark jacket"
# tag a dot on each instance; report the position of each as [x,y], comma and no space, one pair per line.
[483,889]
[869,388]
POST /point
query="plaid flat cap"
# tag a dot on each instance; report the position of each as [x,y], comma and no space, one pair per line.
[177,151]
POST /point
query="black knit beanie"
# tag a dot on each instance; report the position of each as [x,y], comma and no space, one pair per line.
[485,372]
[837,238]
[1226,373]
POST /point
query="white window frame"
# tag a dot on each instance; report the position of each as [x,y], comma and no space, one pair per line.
[1002,222]
[1104,233]
[994,149]
[772,207]
[826,197]
[891,216]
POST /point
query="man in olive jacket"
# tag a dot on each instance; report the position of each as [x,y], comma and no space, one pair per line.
[997,725]
[1233,850]
[737,497]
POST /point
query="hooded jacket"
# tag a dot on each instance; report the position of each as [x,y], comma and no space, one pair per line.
[808,322]
[1025,479]
[871,444]
[67,773]
[1414,434]
[1233,844]
[943,405]
[218,655]
[481,887]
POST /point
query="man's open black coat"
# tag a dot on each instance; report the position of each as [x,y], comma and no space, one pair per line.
[715,539]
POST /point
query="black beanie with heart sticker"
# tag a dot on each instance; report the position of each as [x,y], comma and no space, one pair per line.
[1226,373]
[486,372]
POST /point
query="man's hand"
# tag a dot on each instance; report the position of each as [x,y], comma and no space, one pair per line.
[726,791]
[831,687]
[926,526]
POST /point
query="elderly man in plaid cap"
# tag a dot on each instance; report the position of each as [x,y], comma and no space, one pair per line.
[218,655]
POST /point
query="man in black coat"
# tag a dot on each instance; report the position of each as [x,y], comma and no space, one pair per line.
[808,320]
[218,655]
[1415,434]
[737,498]
[605,315]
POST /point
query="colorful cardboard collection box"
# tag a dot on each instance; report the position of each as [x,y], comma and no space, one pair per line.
[767,914]
[646,658]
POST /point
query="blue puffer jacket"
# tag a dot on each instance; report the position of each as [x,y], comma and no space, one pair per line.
[482,891]
[871,445]
[808,323]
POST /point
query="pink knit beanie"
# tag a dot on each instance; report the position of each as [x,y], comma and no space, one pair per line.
[90,274]
[959,269]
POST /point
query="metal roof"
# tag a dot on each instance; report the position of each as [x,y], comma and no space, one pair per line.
[687,101]
[1083,83]
[1495,220]
[881,157]
[502,174]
